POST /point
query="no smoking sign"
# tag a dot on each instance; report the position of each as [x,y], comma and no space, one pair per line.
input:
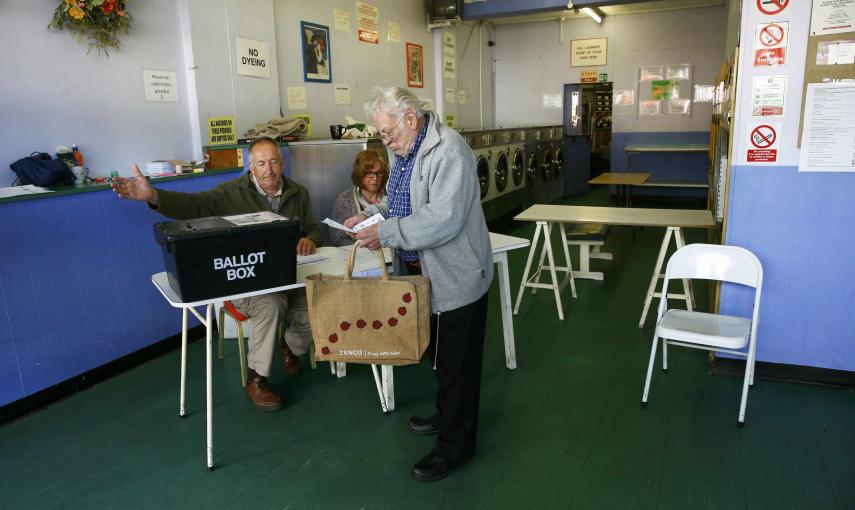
[763,138]
[770,44]
[772,7]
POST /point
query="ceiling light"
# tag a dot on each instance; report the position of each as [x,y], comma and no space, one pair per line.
[594,13]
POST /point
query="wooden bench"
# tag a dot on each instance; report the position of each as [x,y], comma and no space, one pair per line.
[589,237]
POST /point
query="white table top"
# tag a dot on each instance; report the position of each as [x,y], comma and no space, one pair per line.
[699,218]
[334,262]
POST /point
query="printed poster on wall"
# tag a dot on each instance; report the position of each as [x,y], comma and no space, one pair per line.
[828,137]
[589,52]
[449,120]
[763,138]
[461,96]
[832,17]
[342,20]
[829,53]
[297,98]
[308,118]
[221,130]
[450,96]
[449,43]
[367,17]
[393,31]
[768,95]
[342,93]
[253,57]
[770,44]
[449,67]
[588,77]
[647,73]
[160,85]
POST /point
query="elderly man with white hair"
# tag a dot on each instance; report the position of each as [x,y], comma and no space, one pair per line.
[435,223]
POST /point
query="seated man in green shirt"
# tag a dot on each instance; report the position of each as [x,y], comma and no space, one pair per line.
[263,188]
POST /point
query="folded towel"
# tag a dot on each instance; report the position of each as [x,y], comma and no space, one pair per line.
[279,127]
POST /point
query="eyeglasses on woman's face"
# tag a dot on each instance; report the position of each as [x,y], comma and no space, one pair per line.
[372,175]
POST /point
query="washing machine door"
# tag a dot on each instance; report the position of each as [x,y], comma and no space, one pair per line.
[558,161]
[531,168]
[518,167]
[501,172]
[546,164]
[483,175]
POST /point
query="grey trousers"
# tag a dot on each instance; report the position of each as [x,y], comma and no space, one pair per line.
[264,315]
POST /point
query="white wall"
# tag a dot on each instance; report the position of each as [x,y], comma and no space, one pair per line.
[473,53]
[532,59]
[52,93]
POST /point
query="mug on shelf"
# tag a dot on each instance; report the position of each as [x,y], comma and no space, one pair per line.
[336,131]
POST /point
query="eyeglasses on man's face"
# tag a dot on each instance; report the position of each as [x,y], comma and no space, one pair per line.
[387,134]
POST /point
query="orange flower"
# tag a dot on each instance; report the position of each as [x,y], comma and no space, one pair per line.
[76,12]
[109,6]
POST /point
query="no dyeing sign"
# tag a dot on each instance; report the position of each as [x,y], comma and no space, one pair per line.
[253,57]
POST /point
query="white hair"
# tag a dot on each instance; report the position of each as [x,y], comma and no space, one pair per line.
[395,101]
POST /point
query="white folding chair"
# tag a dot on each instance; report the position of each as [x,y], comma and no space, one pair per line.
[712,332]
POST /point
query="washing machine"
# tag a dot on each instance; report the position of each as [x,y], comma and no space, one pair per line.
[556,149]
[517,160]
[481,144]
[531,138]
[504,182]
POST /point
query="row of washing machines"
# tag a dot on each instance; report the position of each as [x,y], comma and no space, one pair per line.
[517,167]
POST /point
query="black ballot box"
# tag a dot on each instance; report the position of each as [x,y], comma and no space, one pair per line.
[226,255]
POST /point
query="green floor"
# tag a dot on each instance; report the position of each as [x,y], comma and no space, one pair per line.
[564,430]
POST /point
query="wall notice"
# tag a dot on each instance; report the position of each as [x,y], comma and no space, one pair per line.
[832,17]
[342,21]
[160,85]
[449,67]
[297,98]
[588,77]
[342,93]
[763,146]
[588,52]
[768,95]
[770,44]
[828,137]
[367,17]
[221,130]
[253,57]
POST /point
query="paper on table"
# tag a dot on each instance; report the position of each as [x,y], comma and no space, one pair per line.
[310,259]
[253,218]
[366,260]
[27,189]
[377,218]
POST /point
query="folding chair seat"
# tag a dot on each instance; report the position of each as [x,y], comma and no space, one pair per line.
[701,330]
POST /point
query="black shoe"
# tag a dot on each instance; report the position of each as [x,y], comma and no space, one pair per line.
[431,468]
[423,426]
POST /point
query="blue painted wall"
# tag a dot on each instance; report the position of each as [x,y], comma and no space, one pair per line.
[75,285]
[800,226]
[664,167]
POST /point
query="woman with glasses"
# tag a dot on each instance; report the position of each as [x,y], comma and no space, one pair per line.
[369,178]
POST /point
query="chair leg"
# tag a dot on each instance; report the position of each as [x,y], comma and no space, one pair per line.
[748,380]
[221,329]
[664,354]
[242,354]
[649,372]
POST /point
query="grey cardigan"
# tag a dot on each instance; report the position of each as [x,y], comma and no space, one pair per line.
[447,226]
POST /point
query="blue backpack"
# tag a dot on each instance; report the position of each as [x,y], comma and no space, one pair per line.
[41,169]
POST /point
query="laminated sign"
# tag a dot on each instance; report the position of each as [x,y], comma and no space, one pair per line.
[763,142]
[770,44]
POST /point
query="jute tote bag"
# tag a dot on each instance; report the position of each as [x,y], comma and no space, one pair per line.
[379,320]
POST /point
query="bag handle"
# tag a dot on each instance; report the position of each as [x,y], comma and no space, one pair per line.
[351,261]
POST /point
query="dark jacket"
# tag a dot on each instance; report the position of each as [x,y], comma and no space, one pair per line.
[239,196]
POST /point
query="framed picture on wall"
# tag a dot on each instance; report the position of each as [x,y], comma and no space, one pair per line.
[415,66]
[316,52]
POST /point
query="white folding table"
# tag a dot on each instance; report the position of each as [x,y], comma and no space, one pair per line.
[334,262]
[544,216]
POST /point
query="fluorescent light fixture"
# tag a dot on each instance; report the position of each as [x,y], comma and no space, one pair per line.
[594,13]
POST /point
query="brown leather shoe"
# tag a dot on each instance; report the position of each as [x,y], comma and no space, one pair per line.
[290,362]
[260,393]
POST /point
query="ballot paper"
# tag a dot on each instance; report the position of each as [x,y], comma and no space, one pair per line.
[27,189]
[377,218]
[254,218]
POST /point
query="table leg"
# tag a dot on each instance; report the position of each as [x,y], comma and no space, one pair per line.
[655,277]
[551,258]
[209,397]
[387,376]
[181,411]
[534,240]
[568,275]
[501,260]
[688,291]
